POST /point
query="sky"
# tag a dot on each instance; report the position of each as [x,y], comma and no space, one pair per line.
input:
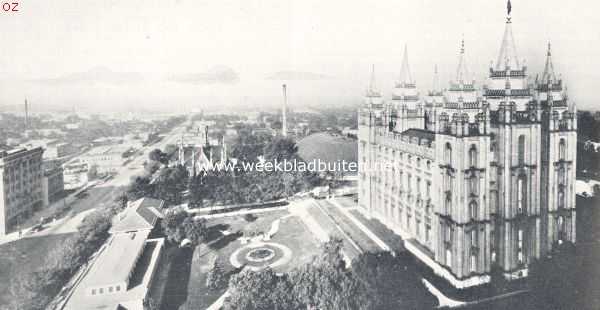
[191,54]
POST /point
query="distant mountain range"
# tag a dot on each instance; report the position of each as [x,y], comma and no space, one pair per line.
[94,75]
[215,75]
[297,76]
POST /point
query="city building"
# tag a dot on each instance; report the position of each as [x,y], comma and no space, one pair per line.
[20,186]
[53,184]
[121,277]
[75,174]
[473,176]
[107,158]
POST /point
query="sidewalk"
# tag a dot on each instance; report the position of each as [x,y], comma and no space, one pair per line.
[25,232]
[443,300]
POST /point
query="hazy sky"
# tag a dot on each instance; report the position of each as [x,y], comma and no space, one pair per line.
[137,53]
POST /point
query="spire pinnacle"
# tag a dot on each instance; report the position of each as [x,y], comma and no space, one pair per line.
[436,80]
[372,90]
[405,76]
[462,73]
[548,75]
[508,50]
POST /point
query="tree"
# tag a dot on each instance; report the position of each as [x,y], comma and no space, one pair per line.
[171,225]
[140,187]
[179,225]
[553,280]
[216,276]
[194,229]
[92,172]
[260,290]
[158,156]
[392,282]
[281,148]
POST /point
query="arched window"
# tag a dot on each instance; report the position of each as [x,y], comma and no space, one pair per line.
[562,149]
[473,210]
[448,154]
[473,156]
[521,149]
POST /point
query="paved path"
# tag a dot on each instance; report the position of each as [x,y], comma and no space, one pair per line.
[443,300]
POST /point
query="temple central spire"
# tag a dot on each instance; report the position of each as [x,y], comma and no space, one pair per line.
[507,57]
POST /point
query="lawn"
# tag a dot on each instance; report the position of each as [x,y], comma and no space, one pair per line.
[22,256]
[186,284]
[329,226]
[365,243]
[393,240]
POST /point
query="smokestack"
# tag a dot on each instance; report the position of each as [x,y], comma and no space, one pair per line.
[26,115]
[284,120]
[206,135]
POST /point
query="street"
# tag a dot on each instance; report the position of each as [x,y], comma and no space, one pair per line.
[101,195]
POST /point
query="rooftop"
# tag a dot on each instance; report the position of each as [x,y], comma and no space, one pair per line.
[141,214]
[419,133]
[117,261]
[130,299]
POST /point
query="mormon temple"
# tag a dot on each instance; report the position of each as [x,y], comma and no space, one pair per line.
[479,176]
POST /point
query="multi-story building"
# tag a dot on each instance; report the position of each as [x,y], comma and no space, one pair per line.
[473,177]
[53,183]
[20,186]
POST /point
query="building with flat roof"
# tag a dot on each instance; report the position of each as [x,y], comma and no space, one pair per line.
[20,186]
[53,184]
[107,158]
[121,276]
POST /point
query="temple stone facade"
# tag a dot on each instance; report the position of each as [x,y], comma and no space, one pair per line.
[472,176]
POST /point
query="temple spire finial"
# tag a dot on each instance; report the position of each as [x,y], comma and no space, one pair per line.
[508,11]
[405,76]
[462,73]
[372,90]
[549,75]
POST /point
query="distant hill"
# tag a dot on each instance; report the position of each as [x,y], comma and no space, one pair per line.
[328,148]
[297,76]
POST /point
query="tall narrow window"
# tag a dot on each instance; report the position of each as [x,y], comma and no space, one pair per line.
[562,149]
[521,149]
[473,185]
[473,156]
[520,246]
[521,194]
[448,154]
[561,198]
[473,262]
[473,211]
[561,228]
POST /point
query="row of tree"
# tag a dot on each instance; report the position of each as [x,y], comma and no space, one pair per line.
[35,289]
[375,281]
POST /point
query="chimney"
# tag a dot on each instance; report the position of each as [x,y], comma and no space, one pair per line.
[284,110]
[206,135]
[26,115]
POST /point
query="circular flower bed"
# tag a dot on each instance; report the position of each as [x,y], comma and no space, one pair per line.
[260,255]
